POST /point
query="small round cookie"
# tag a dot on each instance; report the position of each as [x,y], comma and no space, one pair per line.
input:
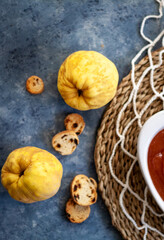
[74,122]
[34,85]
[65,142]
[76,213]
[83,190]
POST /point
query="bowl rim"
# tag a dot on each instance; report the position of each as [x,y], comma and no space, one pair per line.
[156,124]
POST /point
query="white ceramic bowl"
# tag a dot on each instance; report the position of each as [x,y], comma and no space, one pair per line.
[151,127]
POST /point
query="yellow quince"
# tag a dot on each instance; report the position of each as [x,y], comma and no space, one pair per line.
[87,80]
[31,174]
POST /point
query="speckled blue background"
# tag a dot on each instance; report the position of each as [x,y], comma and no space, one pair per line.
[35,38]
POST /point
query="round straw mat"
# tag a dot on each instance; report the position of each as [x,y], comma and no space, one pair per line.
[106,138]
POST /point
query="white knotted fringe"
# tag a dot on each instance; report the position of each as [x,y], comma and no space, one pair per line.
[132,98]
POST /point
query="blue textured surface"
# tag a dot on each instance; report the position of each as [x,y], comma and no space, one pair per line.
[35,37]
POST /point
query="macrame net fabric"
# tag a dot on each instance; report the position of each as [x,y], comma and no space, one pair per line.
[140,95]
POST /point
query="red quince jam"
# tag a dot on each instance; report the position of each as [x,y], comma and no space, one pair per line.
[156,162]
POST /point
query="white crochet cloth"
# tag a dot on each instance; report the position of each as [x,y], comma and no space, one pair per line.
[132,98]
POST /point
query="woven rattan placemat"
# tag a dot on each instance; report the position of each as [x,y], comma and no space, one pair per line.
[107,137]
